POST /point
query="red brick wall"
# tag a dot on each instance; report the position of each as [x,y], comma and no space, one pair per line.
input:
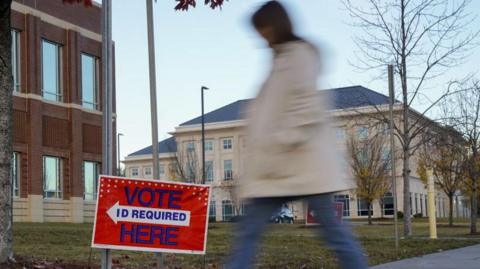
[44,128]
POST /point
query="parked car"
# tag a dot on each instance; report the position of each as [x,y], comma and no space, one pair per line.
[283,215]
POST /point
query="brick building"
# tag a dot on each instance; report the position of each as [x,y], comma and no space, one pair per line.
[57,118]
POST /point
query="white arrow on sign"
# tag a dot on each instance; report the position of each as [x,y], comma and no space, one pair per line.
[149,215]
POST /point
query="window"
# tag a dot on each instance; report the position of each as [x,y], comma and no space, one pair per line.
[363,208]
[387,158]
[416,203]
[362,132]
[227,210]
[51,71]
[134,171]
[16,174]
[227,143]
[190,146]
[147,171]
[227,170]
[208,145]
[363,156]
[343,198]
[191,171]
[52,177]
[161,170]
[16,60]
[387,204]
[89,82]
[209,171]
[90,180]
[421,203]
[340,133]
[383,128]
[212,211]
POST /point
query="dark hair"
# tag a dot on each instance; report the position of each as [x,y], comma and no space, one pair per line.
[273,14]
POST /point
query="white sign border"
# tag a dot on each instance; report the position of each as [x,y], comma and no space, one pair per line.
[147,249]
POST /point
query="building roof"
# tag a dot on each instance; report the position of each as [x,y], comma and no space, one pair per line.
[165,146]
[342,98]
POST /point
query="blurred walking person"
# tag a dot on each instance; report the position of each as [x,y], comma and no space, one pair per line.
[291,146]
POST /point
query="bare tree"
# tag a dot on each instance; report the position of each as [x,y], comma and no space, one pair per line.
[422,39]
[187,164]
[445,155]
[370,167]
[462,112]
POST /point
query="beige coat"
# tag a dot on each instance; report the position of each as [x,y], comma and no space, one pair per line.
[291,145]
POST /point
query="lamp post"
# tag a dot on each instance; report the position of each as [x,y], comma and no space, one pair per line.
[107,72]
[119,170]
[203,89]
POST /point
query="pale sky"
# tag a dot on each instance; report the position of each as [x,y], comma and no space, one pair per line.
[219,49]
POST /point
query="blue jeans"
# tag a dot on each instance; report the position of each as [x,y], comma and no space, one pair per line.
[337,236]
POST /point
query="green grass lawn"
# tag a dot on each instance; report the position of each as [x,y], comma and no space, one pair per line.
[285,246]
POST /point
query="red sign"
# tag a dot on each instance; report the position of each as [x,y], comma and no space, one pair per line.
[310,219]
[151,215]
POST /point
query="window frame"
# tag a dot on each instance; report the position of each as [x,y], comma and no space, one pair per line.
[361,212]
[147,168]
[227,146]
[388,211]
[345,199]
[95,102]
[161,170]
[227,217]
[16,60]
[15,174]
[58,192]
[190,146]
[227,174]
[212,207]
[137,173]
[362,132]
[59,94]
[209,170]
[209,145]
[94,194]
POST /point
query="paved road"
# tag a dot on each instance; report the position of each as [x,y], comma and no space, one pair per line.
[462,258]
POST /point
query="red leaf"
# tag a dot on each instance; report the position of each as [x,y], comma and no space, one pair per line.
[183,5]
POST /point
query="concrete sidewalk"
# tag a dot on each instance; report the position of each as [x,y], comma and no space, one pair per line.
[464,258]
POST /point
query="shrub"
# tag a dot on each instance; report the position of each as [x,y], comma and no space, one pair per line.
[400,214]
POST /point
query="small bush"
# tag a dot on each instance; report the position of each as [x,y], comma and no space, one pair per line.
[418,215]
[400,214]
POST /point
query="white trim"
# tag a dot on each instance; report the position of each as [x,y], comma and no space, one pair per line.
[210,126]
[55,21]
[147,157]
[62,104]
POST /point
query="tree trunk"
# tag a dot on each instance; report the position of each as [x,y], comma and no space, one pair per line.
[407,221]
[474,208]
[450,210]
[6,148]
[369,204]
[474,197]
